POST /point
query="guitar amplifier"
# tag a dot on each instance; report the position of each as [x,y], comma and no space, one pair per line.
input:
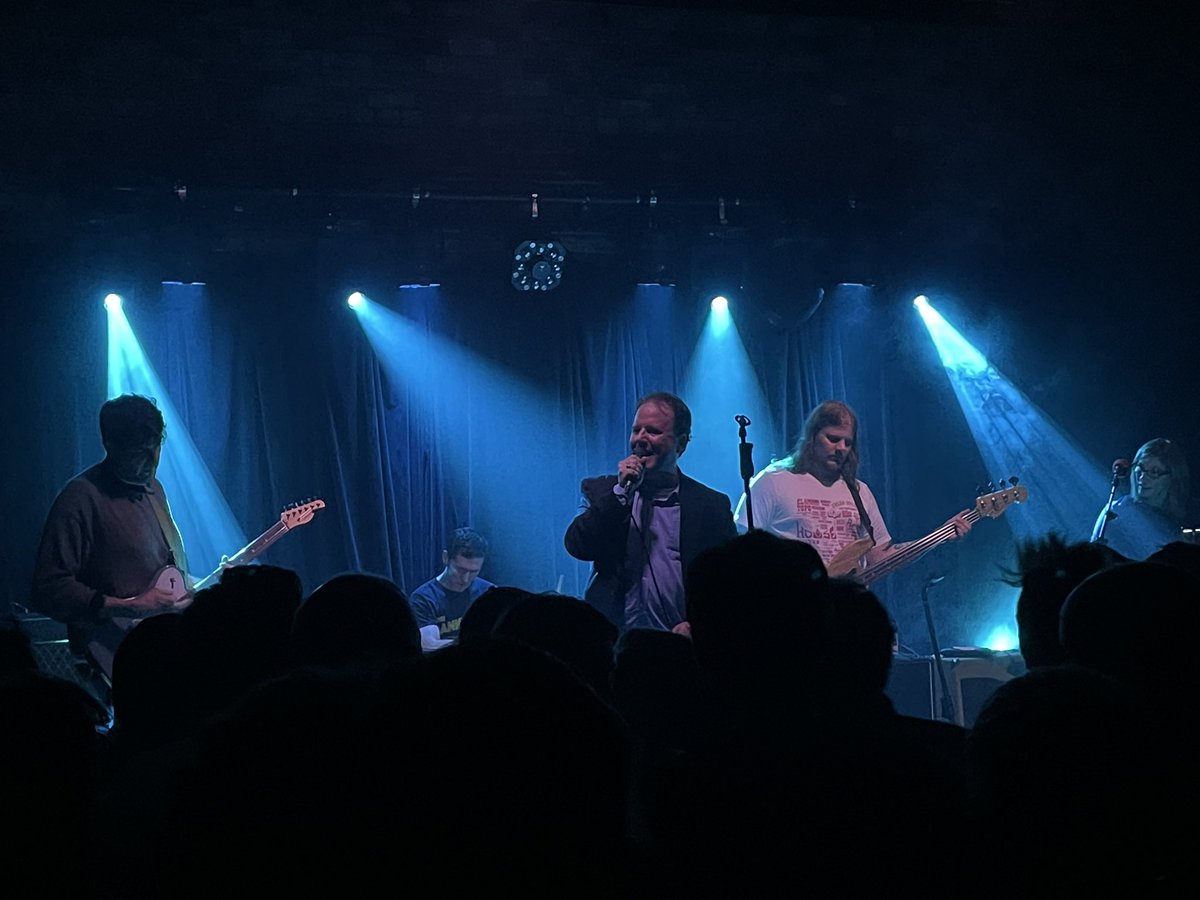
[915,688]
[51,649]
[910,687]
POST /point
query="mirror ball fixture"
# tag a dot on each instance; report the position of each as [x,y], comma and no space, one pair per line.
[537,265]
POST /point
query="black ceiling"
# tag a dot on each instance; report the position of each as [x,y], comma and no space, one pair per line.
[991,132]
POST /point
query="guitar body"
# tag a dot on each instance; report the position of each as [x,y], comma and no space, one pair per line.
[171,580]
[849,559]
[103,640]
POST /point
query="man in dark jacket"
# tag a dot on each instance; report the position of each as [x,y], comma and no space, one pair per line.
[643,526]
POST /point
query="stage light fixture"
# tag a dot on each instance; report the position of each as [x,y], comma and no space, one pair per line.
[356,300]
[112,302]
[537,265]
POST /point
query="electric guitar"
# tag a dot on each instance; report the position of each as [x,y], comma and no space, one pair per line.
[848,561]
[102,642]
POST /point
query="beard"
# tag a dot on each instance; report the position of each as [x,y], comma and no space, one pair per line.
[133,467]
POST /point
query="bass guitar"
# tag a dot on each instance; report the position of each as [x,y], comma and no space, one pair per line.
[848,562]
[103,641]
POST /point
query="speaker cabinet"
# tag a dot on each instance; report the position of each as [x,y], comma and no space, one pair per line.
[51,649]
[915,688]
[910,687]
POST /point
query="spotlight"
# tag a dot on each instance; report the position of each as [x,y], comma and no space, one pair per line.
[920,301]
[719,304]
[538,266]
[112,302]
[356,300]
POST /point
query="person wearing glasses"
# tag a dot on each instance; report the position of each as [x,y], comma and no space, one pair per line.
[1156,508]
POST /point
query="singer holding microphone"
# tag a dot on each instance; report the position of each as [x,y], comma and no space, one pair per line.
[642,527]
[1156,508]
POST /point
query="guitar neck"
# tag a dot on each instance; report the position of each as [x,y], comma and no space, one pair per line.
[245,555]
[915,550]
[259,544]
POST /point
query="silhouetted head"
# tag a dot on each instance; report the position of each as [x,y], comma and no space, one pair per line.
[1058,762]
[238,632]
[656,687]
[1134,622]
[757,607]
[518,766]
[860,641]
[1047,570]
[355,619]
[1179,553]
[569,630]
[146,687]
[481,616]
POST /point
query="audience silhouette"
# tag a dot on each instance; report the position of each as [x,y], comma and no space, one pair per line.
[267,742]
[482,615]
[355,620]
[1047,570]
[570,630]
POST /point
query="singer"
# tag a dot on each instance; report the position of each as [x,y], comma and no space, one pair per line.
[642,527]
[1156,507]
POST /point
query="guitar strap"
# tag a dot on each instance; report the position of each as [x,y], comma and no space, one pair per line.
[862,512]
[170,531]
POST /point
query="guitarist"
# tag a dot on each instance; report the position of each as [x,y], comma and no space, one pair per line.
[108,533]
[814,494]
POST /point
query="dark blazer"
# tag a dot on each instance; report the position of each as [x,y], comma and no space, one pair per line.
[600,535]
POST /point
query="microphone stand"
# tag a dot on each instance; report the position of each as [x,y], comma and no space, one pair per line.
[747,468]
[947,700]
[1109,515]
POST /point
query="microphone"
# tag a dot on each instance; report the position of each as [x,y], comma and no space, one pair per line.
[1120,468]
[632,480]
[934,579]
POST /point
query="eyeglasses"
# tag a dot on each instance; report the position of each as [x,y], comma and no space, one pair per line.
[1152,474]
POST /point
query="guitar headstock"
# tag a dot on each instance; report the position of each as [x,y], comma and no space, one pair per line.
[993,504]
[300,513]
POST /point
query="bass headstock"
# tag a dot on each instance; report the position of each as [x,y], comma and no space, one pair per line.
[994,502]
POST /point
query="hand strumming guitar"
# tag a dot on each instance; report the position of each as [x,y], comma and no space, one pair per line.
[151,602]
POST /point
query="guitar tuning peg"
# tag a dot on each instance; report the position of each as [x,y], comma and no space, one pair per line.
[1012,479]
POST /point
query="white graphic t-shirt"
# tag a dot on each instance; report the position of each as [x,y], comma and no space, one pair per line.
[800,508]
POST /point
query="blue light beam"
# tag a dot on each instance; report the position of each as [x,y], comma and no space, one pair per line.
[481,419]
[721,383]
[208,527]
[1066,488]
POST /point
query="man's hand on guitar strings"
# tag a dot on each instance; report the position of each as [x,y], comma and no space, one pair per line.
[960,522]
